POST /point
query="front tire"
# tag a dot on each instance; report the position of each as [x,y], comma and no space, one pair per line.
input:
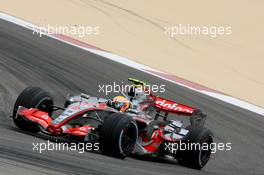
[32,97]
[118,135]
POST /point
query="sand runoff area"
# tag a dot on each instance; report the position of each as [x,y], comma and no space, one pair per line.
[218,44]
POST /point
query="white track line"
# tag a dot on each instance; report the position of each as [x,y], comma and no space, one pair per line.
[141,67]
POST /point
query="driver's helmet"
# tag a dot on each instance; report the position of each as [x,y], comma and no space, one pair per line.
[120,103]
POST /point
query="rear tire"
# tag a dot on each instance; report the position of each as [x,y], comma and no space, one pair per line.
[118,135]
[32,97]
[196,158]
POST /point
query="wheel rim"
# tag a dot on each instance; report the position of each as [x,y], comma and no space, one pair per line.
[204,155]
[128,138]
[45,105]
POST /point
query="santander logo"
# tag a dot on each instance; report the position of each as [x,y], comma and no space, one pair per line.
[172,106]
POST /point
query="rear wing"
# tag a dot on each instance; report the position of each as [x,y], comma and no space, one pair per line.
[169,106]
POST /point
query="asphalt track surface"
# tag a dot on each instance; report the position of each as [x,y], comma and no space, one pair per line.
[26,60]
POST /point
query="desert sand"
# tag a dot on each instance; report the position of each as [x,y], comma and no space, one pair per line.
[231,63]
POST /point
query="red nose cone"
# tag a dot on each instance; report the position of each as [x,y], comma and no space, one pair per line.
[55,131]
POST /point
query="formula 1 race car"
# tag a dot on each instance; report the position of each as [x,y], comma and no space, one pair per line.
[143,129]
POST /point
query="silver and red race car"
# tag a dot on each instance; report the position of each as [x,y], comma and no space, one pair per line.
[143,129]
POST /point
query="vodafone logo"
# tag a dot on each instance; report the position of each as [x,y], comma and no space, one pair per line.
[167,105]
[170,105]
